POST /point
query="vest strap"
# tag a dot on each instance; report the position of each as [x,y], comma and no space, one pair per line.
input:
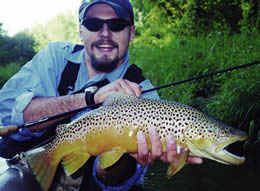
[68,78]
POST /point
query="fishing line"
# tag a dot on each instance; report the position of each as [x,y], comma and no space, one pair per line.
[12,128]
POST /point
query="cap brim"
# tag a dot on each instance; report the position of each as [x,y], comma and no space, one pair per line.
[121,12]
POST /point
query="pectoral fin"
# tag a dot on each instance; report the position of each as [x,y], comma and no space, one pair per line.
[109,158]
[74,161]
[177,163]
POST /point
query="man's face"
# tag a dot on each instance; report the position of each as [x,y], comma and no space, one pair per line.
[105,49]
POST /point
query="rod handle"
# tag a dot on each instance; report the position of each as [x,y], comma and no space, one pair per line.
[4,131]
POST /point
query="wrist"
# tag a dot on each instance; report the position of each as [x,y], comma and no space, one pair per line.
[124,184]
[89,95]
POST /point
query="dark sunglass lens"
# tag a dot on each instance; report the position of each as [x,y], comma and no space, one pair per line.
[93,24]
[117,24]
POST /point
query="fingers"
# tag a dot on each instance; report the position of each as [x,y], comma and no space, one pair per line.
[128,87]
[146,157]
[156,145]
[143,152]
[195,160]
[135,87]
[121,85]
[171,150]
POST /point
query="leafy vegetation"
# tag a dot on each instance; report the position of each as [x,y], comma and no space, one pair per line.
[64,26]
[177,40]
[195,17]
[186,57]
[17,50]
[14,52]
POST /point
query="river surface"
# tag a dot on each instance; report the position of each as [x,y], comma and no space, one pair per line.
[209,176]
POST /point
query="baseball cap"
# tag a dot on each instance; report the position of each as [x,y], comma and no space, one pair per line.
[123,8]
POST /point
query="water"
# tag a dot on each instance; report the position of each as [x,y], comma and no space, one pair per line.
[210,176]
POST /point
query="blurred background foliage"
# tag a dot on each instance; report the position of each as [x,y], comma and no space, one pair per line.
[64,26]
[176,40]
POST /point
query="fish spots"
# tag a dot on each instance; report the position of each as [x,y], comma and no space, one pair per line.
[121,112]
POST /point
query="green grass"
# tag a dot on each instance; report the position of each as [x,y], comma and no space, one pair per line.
[233,98]
[182,58]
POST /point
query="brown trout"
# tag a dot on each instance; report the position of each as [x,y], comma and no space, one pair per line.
[110,131]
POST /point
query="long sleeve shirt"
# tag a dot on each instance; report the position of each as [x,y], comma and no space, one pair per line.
[40,77]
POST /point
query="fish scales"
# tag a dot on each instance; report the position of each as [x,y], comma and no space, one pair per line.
[111,131]
[143,115]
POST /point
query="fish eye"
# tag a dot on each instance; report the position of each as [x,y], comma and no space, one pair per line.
[221,132]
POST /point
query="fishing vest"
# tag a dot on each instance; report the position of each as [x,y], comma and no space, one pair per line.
[70,74]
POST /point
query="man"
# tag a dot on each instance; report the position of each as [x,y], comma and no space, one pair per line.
[45,87]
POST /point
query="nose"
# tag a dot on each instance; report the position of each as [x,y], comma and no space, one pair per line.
[105,31]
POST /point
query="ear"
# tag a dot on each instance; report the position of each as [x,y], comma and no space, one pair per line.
[132,33]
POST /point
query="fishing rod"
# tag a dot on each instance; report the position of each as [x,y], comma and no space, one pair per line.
[203,76]
[12,128]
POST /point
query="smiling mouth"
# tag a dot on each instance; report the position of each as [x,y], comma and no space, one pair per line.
[105,45]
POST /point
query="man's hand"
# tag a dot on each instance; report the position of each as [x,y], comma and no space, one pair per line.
[144,156]
[121,85]
[125,167]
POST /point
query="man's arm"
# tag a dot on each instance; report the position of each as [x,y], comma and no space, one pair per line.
[41,107]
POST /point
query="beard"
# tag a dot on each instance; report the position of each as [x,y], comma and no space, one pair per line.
[104,64]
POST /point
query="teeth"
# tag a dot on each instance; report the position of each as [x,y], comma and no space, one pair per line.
[105,46]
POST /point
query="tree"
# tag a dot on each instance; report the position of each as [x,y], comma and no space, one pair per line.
[4,41]
[197,17]
[18,49]
[14,52]
[63,26]
[1,30]
[22,44]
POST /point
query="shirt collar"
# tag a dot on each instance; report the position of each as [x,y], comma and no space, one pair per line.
[76,54]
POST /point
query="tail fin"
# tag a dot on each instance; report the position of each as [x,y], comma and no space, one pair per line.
[42,167]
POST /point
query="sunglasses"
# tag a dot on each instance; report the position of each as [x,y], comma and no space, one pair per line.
[95,24]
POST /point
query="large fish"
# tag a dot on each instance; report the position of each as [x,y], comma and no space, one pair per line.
[111,131]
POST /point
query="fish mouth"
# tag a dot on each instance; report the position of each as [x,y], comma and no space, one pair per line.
[220,151]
